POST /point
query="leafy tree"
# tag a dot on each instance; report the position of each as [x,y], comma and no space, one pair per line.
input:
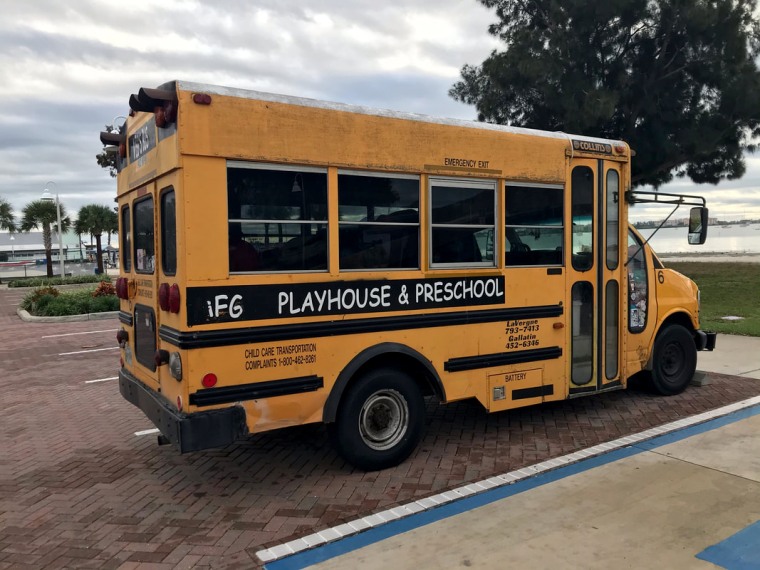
[97,220]
[676,79]
[7,221]
[108,159]
[42,214]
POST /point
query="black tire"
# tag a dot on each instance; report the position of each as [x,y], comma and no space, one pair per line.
[674,360]
[380,420]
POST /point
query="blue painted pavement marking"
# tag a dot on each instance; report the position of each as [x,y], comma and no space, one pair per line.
[738,552]
[393,528]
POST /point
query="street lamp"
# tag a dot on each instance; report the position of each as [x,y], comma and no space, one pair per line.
[47,196]
[13,250]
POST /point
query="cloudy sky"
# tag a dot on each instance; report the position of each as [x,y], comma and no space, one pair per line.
[67,70]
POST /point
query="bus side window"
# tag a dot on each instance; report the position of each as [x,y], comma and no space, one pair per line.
[462,223]
[638,289]
[379,221]
[534,227]
[277,218]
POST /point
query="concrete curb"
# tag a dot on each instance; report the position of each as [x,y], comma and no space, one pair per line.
[25,316]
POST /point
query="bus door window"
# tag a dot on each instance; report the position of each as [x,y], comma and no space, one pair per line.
[145,253]
[534,225]
[463,227]
[168,232]
[583,216]
[126,240]
[277,218]
[379,220]
[638,286]
[583,333]
[612,287]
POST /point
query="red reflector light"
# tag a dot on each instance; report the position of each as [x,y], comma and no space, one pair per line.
[209,380]
[121,288]
[174,299]
[163,296]
[179,403]
[202,99]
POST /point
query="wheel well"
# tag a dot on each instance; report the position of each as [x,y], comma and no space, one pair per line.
[679,318]
[389,355]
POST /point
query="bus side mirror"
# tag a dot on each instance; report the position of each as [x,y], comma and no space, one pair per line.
[698,225]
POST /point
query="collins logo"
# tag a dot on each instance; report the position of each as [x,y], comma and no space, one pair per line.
[587,146]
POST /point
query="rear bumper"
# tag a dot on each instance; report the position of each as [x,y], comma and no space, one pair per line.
[189,432]
[705,340]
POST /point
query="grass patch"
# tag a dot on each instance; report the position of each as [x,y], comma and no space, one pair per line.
[49,302]
[727,289]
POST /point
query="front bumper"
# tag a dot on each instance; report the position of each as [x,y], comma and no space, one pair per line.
[705,340]
[190,432]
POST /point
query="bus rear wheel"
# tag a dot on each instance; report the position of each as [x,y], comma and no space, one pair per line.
[380,420]
[674,361]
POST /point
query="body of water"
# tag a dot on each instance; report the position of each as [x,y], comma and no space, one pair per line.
[736,238]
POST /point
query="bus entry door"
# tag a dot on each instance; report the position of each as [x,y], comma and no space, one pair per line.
[594,275]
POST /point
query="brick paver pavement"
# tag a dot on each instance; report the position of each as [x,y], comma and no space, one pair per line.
[78,488]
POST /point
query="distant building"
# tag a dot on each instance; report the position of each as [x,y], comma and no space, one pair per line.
[21,246]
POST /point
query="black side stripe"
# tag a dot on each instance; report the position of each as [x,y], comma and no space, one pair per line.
[535,392]
[229,394]
[273,333]
[500,359]
[125,318]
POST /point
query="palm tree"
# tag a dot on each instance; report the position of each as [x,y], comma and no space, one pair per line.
[97,220]
[7,221]
[42,214]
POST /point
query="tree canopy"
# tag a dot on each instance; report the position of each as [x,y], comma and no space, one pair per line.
[7,221]
[42,214]
[95,219]
[676,79]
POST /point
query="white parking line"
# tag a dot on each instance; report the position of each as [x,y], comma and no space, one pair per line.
[72,334]
[101,380]
[85,351]
[147,431]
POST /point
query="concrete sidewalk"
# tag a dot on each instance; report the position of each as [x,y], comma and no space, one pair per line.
[685,495]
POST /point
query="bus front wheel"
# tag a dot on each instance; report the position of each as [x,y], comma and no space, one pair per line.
[675,360]
[380,420]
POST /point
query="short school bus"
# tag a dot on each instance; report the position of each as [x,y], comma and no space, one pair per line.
[288,261]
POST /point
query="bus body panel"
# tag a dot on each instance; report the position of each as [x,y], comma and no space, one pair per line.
[545,303]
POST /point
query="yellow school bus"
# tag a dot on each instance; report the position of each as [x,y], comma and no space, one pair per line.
[288,261]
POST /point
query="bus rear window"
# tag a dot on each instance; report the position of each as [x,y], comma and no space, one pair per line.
[168,233]
[126,239]
[145,253]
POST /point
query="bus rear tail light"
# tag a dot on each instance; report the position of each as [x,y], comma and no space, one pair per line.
[122,337]
[124,288]
[161,357]
[166,114]
[175,366]
[121,288]
[174,299]
[209,380]
[163,296]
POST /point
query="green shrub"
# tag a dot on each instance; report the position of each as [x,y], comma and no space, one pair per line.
[44,281]
[77,302]
[33,299]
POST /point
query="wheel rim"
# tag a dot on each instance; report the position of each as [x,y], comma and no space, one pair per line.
[673,359]
[383,419]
